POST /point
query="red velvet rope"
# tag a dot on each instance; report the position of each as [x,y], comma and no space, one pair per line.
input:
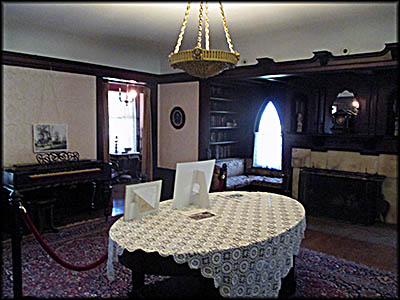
[52,254]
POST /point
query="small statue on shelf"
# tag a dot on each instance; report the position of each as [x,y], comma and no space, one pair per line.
[299,122]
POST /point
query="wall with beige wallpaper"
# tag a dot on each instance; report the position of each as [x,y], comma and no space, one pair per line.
[33,96]
[382,164]
[178,145]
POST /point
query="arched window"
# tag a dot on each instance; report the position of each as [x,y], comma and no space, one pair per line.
[268,140]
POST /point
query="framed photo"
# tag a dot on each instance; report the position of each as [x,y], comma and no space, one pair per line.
[177,117]
[49,137]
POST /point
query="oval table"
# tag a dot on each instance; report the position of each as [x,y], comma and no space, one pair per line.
[246,247]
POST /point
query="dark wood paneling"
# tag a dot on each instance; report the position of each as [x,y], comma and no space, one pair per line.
[204,119]
[101,122]
[168,182]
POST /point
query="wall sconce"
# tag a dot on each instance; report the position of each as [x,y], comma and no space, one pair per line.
[130,95]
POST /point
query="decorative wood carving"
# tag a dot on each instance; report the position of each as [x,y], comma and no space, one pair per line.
[322,61]
[56,157]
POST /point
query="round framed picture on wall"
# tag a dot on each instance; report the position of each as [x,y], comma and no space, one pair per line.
[177,117]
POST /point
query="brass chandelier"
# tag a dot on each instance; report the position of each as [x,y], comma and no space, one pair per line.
[203,62]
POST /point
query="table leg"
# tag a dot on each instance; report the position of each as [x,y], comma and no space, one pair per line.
[137,273]
[137,283]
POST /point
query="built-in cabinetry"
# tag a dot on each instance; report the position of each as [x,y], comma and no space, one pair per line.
[223,122]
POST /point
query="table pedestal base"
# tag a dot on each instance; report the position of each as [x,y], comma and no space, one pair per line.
[185,282]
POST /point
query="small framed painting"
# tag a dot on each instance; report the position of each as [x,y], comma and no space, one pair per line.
[50,137]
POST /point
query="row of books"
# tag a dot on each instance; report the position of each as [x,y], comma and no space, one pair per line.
[220,151]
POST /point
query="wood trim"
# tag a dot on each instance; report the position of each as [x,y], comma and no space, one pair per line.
[56,64]
[175,77]
[368,145]
[204,119]
[101,120]
[322,61]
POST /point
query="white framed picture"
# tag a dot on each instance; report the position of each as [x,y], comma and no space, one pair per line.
[142,199]
[50,137]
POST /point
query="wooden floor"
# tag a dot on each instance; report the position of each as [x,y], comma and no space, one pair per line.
[373,254]
[370,254]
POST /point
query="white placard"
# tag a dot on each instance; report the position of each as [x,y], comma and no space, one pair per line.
[192,183]
[142,199]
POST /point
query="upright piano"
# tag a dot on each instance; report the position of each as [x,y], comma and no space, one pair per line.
[36,176]
[19,179]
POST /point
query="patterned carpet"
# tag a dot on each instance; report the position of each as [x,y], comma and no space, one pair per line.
[318,275]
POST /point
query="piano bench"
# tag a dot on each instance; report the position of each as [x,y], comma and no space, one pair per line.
[42,206]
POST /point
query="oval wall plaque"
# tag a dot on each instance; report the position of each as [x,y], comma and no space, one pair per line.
[177,117]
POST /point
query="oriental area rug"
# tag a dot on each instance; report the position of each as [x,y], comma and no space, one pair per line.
[317,275]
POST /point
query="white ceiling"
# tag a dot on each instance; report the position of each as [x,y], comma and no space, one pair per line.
[161,21]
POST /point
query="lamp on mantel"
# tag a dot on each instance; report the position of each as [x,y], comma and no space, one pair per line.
[130,95]
[203,62]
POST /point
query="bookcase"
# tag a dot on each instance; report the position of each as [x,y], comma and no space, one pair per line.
[223,122]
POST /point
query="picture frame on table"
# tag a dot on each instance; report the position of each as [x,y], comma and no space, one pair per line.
[142,199]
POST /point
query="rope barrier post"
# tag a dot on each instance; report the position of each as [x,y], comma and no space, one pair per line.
[16,238]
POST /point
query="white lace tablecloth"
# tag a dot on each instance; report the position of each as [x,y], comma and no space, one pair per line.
[247,247]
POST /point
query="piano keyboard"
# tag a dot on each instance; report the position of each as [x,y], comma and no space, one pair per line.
[64,173]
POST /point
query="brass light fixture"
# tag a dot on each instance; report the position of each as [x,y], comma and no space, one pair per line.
[130,95]
[203,62]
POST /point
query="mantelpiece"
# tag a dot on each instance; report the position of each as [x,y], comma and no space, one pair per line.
[365,144]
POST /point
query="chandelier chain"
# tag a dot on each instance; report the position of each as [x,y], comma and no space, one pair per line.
[199,62]
[228,36]
[207,30]
[200,27]
[183,27]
